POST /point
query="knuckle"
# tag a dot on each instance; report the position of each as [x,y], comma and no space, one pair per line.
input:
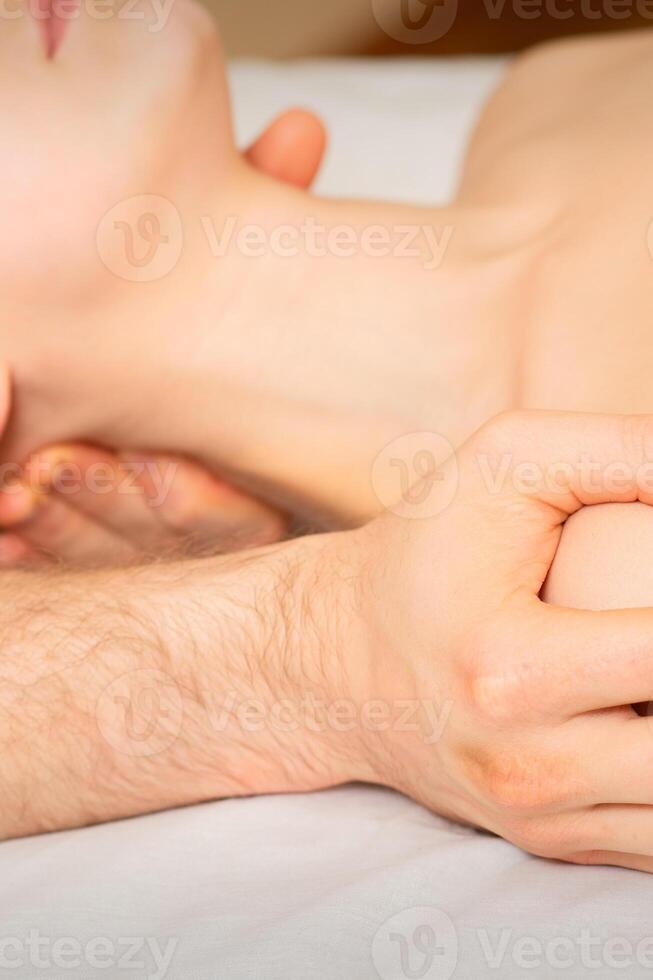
[517,783]
[502,423]
[497,684]
[517,419]
[541,837]
[505,431]
[496,698]
[637,439]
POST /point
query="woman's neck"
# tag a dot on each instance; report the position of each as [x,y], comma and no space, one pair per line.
[328,341]
[293,340]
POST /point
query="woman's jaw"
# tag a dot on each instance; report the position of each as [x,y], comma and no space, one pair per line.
[127,133]
[174,361]
[121,112]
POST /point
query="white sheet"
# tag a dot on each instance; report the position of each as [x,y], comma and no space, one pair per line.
[397,127]
[330,886]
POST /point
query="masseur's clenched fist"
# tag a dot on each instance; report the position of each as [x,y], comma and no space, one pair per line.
[415,652]
[520,720]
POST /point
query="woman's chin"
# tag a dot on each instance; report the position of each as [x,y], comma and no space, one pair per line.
[130,107]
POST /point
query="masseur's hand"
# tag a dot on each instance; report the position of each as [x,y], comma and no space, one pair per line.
[414,653]
[507,713]
[81,504]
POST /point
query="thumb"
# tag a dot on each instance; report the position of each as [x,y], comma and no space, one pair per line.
[561,459]
[291,149]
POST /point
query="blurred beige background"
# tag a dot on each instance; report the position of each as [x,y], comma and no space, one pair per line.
[290,28]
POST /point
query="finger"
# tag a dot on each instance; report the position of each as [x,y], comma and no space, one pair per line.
[18,502]
[565,662]
[152,501]
[617,829]
[104,489]
[291,149]
[199,505]
[15,551]
[635,862]
[617,758]
[60,531]
[562,460]
[47,526]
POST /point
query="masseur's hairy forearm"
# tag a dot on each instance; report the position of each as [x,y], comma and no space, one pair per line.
[127,691]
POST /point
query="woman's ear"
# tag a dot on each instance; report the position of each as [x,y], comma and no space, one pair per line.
[291,149]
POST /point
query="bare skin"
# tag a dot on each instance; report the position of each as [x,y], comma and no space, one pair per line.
[414,652]
[517,278]
[198,511]
[442,608]
[547,279]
